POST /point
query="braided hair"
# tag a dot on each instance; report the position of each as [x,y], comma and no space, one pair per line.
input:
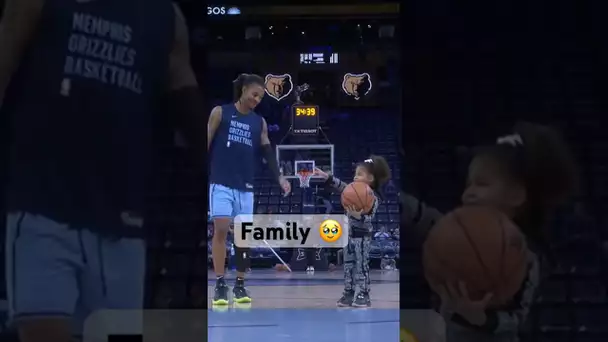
[244,80]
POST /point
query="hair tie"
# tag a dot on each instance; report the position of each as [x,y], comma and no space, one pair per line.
[512,139]
[370,161]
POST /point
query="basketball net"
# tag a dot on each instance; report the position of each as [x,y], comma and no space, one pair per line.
[304,177]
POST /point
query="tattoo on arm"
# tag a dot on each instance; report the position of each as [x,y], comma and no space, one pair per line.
[214,122]
[265,139]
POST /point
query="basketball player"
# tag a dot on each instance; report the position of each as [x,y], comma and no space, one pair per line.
[375,172]
[85,80]
[235,133]
[526,175]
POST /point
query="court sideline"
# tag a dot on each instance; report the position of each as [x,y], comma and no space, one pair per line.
[299,307]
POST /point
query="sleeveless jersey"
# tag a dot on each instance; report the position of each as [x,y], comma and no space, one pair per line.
[234,149]
[82,107]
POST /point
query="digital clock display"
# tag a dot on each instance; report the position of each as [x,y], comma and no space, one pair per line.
[306,111]
[305,119]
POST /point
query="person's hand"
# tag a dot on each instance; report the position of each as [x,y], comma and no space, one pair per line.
[320,173]
[456,300]
[353,212]
[285,185]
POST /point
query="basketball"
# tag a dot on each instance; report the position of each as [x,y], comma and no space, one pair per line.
[359,195]
[481,247]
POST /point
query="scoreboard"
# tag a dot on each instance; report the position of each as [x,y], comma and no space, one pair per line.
[305,119]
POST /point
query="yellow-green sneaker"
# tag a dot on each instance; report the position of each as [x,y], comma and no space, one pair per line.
[221,293]
[240,294]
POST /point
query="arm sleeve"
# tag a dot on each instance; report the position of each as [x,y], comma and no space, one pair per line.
[271,160]
[512,319]
[336,183]
[417,216]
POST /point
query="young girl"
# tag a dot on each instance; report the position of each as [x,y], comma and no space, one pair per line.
[375,172]
[527,175]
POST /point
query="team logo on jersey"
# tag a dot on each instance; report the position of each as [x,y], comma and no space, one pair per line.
[357,85]
[278,86]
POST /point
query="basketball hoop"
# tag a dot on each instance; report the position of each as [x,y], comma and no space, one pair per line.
[304,177]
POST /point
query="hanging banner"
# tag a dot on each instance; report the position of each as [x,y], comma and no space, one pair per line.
[278,86]
[356,85]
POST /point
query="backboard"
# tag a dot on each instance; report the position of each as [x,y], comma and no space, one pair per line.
[290,157]
[305,165]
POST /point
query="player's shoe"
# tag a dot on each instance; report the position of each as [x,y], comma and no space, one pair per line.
[221,293]
[346,299]
[310,269]
[240,294]
[362,300]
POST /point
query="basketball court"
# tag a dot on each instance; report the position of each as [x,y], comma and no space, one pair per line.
[302,307]
[296,306]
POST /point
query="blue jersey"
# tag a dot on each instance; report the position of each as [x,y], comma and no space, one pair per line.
[83,105]
[234,149]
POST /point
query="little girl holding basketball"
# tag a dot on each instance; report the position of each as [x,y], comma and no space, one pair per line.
[375,172]
[526,175]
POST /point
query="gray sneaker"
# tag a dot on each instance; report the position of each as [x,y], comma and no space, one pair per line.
[346,299]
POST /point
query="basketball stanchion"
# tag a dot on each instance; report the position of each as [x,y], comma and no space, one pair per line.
[277,255]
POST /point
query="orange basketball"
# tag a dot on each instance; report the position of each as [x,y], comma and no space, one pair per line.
[481,247]
[359,195]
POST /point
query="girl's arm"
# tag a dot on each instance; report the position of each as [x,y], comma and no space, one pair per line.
[363,223]
[339,186]
[513,318]
[368,217]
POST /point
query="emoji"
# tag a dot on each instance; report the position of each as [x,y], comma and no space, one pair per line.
[330,230]
[406,336]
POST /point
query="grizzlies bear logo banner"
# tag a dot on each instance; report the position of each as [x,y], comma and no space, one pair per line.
[278,86]
[356,85]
